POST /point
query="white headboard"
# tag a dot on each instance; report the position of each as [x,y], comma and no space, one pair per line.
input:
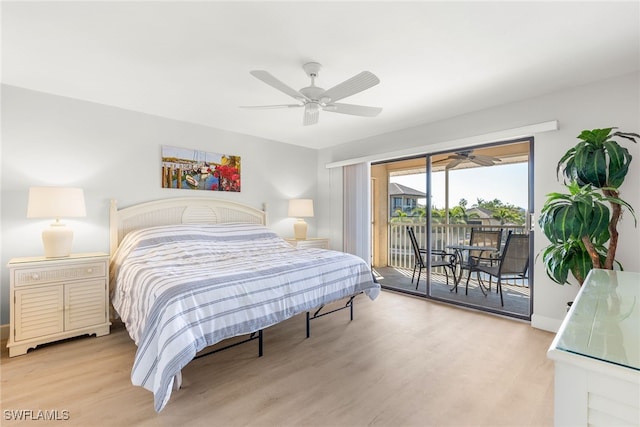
[185,210]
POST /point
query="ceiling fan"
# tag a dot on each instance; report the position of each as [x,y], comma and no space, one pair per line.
[458,157]
[314,98]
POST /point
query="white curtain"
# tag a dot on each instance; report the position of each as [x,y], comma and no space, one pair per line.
[357,210]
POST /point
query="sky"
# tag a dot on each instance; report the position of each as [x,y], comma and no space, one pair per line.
[508,183]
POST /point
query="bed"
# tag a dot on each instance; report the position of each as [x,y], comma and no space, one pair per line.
[188,273]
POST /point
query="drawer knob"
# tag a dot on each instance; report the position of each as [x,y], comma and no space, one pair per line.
[35,276]
[89,270]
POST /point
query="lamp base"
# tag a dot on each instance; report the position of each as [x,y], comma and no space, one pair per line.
[300,229]
[57,241]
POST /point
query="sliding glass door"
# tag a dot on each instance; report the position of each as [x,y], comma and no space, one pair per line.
[443,198]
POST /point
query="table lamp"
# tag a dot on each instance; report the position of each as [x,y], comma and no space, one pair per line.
[56,202]
[300,208]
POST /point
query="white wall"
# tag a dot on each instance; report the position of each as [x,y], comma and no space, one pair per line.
[613,102]
[115,153]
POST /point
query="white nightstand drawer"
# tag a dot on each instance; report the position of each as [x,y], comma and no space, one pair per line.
[30,276]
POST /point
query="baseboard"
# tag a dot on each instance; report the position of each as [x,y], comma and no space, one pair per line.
[540,322]
[545,323]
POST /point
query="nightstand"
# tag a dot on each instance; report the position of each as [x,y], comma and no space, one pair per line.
[311,242]
[57,298]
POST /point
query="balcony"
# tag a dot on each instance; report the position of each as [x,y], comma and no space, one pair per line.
[485,185]
[397,272]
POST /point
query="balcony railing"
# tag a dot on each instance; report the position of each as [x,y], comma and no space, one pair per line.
[401,254]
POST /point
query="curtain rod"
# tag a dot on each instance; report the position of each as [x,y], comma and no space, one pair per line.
[514,133]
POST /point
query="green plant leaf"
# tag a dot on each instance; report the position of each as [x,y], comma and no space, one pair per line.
[567,158]
[598,224]
[590,164]
[581,264]
[627,135]
[621,202]
[619,160]
[594,168]
[564,222]
[555,267]
[587,136]
[595,136]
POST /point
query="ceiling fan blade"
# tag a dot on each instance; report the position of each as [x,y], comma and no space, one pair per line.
[355,110]
[349,87]
[481,161]
[267,78]
[311,114]
[267,107]
[445,160]
[454,163]
[490,158]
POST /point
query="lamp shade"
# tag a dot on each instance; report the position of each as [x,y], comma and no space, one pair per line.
[301,208]
[56,202]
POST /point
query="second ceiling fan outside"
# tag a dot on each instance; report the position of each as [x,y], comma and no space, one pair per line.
[459,157]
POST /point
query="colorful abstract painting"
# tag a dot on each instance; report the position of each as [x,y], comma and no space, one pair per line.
[199,170]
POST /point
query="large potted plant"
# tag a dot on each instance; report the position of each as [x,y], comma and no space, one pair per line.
[582,225]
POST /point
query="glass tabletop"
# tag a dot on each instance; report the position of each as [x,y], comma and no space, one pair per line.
[604,321]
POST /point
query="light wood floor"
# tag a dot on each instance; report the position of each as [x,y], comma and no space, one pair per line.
[403,361]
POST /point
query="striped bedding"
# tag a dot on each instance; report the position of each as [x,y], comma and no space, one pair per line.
[181,288]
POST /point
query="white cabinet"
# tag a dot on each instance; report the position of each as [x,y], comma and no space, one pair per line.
[597,354]
[311,242]
[57,298]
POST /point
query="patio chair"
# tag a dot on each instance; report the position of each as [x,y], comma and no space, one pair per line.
[438,259]
[513,262]
[490,239]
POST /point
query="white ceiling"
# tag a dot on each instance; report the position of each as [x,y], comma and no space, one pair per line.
[191,60]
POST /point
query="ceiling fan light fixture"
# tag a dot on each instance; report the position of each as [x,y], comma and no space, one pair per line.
[312,108]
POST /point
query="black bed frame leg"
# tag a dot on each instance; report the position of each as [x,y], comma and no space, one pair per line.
[317,314]
[260,343]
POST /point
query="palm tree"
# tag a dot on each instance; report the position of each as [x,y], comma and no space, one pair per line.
[420,211]
[457,215]
[437,215]
[505,214]
[400,216]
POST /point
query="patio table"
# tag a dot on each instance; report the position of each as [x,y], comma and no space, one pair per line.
[459,251]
